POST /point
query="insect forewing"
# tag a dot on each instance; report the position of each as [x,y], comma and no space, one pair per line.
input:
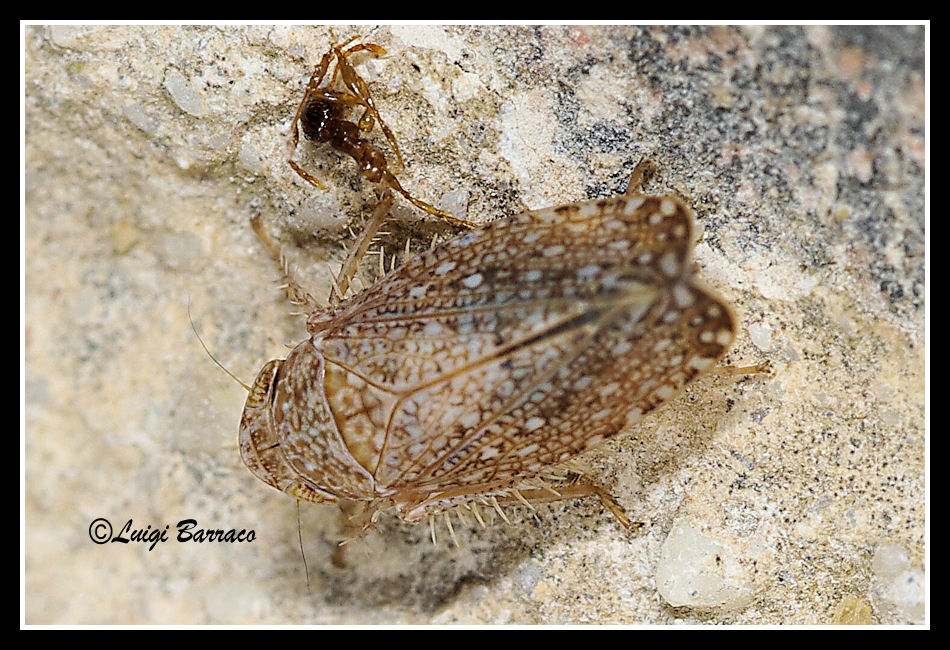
[520,344]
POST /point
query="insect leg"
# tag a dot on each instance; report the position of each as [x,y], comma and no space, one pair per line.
[372,47]
[319,71]
[295,291]
[391,180]
[362,245]
[357,86]
[412,510]
[643,169]
[763,367]
[575,491]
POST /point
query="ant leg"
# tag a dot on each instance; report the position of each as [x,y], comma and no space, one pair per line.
[310,178]
[319,71]
[639,174]
[372,47]
[341,55]
[339,45]
[360,91]
[346,68]
[366,122]
[391,181]
[357,85]
[389,136]
[761,368]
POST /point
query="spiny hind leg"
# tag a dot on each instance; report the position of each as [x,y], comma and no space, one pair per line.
[295,291]
[416,510]
[348,269]
[573,491]
[353,257]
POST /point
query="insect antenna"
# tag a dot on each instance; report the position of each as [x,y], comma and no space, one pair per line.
[303,555]
[208,352]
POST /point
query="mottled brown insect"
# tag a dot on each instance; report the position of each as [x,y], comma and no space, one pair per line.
[489,359]
[321,118]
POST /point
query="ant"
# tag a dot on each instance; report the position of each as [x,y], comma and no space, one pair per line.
[320,116]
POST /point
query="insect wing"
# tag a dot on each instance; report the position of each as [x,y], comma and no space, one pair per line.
[523,343]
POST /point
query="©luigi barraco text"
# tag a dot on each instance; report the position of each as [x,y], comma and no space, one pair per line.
[101,532]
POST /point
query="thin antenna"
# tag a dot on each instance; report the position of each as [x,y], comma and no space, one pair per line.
[302,554]
[208,352]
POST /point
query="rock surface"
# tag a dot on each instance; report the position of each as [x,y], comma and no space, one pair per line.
[148,150]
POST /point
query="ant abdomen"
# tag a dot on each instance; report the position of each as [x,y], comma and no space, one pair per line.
[322,121]
[373,163]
